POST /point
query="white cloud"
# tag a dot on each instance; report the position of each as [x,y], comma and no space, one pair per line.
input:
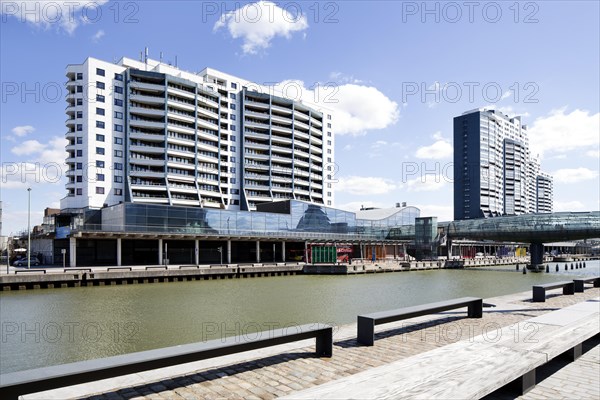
[426,183]
[574,205]
[65,15]
[21,131]
[440,149]
[356,108]
[560,132]
[574,175]
[98,35]
[28,147]
[348,147]
[354,206]
[364,185]
[258,23]
[593,153]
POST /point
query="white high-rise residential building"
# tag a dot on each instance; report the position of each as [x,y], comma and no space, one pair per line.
[544,193]
[494,173]
[149,132]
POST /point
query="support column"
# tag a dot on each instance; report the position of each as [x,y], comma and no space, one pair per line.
[536,251]
[229,252]
[72,252]
[119,252]
[283,251]
[258,251]
[197,251]
[160,251]
[449,248]
[306,252]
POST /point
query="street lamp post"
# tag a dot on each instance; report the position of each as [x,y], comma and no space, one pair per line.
[220,250]
[28,228]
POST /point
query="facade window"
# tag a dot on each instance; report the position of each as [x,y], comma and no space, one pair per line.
[232,117]
[118,192]
[119,77]
[328,159]
[99,164]
[328,202]
[118,179]
[79,165]
[99,137]
[100,111]
[119,102]
[118,166]
[232,148]
[79,102]
[329,194]
[79,140]
[119,89]
[79,192]
[328,116]
[100,150]
[99,190]
[329,186]
[100,177]
[100,85]
[118,115]
[118,128]
[79,114]
[79,178]
[100,98]
[329,142]
[232,106]
[79,127]
[100,124]
[232,180]
[233,85]
[79,153]
[118,140]
[79,89]
[232,96]
[80,75]
[328,151]
[118,153]
[235,191]
[329,126]
[329,134]
[232,128]
[232,159]
[232,169]
[100,72]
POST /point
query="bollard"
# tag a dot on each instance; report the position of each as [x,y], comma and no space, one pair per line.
[525,270]
[517,267]
[584,264]
[547,268]
[566,267]
[556,267]
[571,265]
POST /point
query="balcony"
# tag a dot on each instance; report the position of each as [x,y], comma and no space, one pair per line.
[256,135]
[277,128]
[147,149]
[141,98]
[157,187]
[146,123]
[152,162]
[149,87]
[157,112]
[181,93]
[151,137]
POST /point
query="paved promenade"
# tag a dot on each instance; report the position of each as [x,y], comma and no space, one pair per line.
[285,369]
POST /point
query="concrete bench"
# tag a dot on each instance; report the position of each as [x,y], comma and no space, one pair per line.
[77,269]
[156,267]
[539,291]
[579,283]
[366,323]
[474,367]
[119,269]
[14,384]
[30,270]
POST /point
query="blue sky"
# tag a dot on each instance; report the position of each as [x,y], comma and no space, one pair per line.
[401,73]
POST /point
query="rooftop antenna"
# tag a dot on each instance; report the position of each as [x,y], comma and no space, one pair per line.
[175,61]
[141,56]
[161,55]
[146,55]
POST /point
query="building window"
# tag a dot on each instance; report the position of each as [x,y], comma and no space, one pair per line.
[99,98]
[100,85]
[232,169]
[232,148]
[80,75]
[232,128]
[232,138]
[100,72]
[99,164]
[232,106]
[79,153]
[118,179]
[79,127]
[79,102]
[329,194]
[329,134]
[118,192]
[233,85]
[118,128]
[118,166]
[100,150]
[79,140]
[100,111]
[328,159]
[328,202]
[235,191]
[119,77]
[100,177]
[118,140]
[328,151]
[232,180]
[79,165]
[100,124]
[232,96]
[329,142]
[118,153]
[118,115]
[79,114]
[232,159]
[119,102]
[79,192]
[328,116]
[232,117]
[79,178]
[329,126]
[119,89]
[99,137]
[79,89]
[99,190]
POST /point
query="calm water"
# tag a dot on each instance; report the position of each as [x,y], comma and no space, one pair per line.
[56,326]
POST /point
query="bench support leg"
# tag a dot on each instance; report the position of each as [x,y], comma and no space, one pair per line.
[569,289]
[527,381]
[579,286]
[597,283]
[476,309]
[539,294]
[324,345]
[575,352]
[366,331]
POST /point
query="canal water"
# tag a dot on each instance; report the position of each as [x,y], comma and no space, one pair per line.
[56,326]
